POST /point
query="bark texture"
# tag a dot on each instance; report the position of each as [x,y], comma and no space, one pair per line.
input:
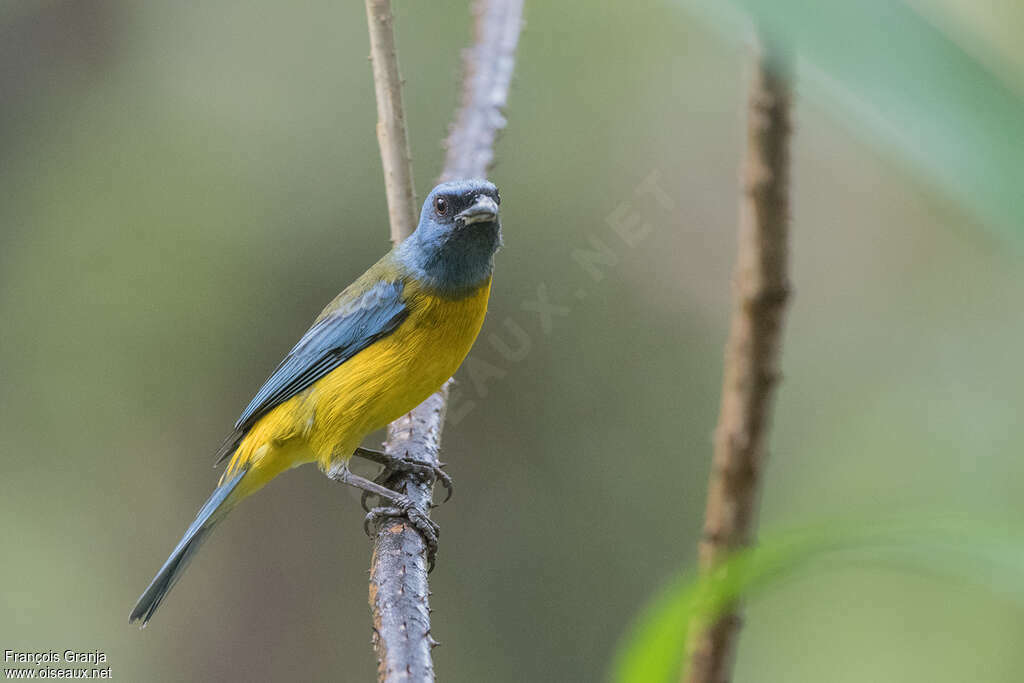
[761,289]
[399,591]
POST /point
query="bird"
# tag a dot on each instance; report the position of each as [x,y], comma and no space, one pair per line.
[379,349]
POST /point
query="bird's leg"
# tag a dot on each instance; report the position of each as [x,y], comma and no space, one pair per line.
[401,506]
[424,469]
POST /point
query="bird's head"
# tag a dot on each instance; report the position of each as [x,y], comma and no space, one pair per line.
[453,247]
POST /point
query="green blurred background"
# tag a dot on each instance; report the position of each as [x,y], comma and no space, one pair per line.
[184,185]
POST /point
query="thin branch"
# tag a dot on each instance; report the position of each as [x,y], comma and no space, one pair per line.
[761,288]
[391,130]
[399,592]
[487,74]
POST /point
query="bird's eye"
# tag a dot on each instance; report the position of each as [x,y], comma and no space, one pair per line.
[441,206]
[497,198]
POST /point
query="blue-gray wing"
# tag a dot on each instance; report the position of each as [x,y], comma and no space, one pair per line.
[333,339]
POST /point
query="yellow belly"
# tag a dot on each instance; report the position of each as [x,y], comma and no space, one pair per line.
[327,421]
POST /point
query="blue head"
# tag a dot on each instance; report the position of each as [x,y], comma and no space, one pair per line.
[453,247]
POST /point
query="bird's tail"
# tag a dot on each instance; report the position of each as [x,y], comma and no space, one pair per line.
[212,512]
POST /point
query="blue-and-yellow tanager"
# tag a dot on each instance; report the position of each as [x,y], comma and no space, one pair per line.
[388,341]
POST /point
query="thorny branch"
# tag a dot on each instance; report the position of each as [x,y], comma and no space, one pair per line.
[399,592]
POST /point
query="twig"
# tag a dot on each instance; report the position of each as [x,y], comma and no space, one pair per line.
[391,130]
[487,74]
[399,592]
[761,288]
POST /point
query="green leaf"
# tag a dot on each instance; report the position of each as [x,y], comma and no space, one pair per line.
[654,648]
[907,88]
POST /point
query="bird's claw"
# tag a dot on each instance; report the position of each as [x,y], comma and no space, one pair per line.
[422,469]
[439,476]
[403,507]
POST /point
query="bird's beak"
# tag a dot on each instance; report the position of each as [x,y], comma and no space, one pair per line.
[484,210]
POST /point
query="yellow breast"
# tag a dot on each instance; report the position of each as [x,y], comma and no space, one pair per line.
[380,383]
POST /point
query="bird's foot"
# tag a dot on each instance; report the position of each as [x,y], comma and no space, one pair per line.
[400,506]
[424,470]
[404,507]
